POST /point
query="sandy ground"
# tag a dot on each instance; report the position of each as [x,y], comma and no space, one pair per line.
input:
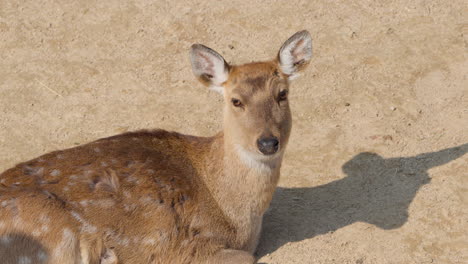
[376,171]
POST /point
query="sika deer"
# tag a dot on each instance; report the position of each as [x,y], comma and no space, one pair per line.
[157,196]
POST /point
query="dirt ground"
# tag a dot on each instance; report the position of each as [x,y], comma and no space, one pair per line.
[376,170]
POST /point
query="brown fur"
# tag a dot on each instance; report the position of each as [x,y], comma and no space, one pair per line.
[152,196]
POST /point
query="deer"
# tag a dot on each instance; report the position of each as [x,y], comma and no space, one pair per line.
[154,196]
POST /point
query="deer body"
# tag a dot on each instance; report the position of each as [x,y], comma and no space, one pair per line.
[157,196]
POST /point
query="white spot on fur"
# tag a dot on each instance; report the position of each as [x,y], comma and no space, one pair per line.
[150,171]
[5,240]
[60,156]
[73,177]
[131,179]
[163,236]
[24,260]
[127,194]
[40,171]
[44,218]
[67,243]
[55,173]
[42,256]
[84,203]
[17,220]
[146,200]
[124,241]
[149,241]
[36,171]
[66,189]
[97,150]
[129,207]
[44,228]
[184,242]
[86,227]
[103,164]
[36,233]
[106,203]
[10,204]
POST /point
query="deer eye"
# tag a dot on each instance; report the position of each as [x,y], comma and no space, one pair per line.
[283,95]
[236,102]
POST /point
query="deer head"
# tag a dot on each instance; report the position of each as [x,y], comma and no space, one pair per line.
[257,118]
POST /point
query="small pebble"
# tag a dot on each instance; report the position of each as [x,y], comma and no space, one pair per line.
[393,108]
[347,104]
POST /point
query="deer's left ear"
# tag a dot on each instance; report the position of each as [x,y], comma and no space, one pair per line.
[295,54]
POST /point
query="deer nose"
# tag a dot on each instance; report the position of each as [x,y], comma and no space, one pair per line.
[268,145]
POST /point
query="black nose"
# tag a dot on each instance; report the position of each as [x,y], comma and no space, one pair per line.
[268,146]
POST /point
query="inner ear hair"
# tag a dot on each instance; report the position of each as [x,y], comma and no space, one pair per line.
[208,66]
[295,54]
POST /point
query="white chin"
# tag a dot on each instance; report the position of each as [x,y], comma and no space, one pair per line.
[256,160]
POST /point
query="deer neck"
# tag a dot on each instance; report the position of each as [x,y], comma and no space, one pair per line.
[241,184]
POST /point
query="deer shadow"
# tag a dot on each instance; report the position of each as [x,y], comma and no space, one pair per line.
[376,190]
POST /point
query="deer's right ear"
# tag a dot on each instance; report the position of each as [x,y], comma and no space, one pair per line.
[209,67]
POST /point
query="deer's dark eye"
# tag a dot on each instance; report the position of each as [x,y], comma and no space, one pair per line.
[283,95]
[236,102]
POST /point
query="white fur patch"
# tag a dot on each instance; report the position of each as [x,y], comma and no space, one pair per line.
[55,173]
[258,162]
[24,260]
[5,240]
[86,227]
[67,243]
[149,241]
[42,256]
